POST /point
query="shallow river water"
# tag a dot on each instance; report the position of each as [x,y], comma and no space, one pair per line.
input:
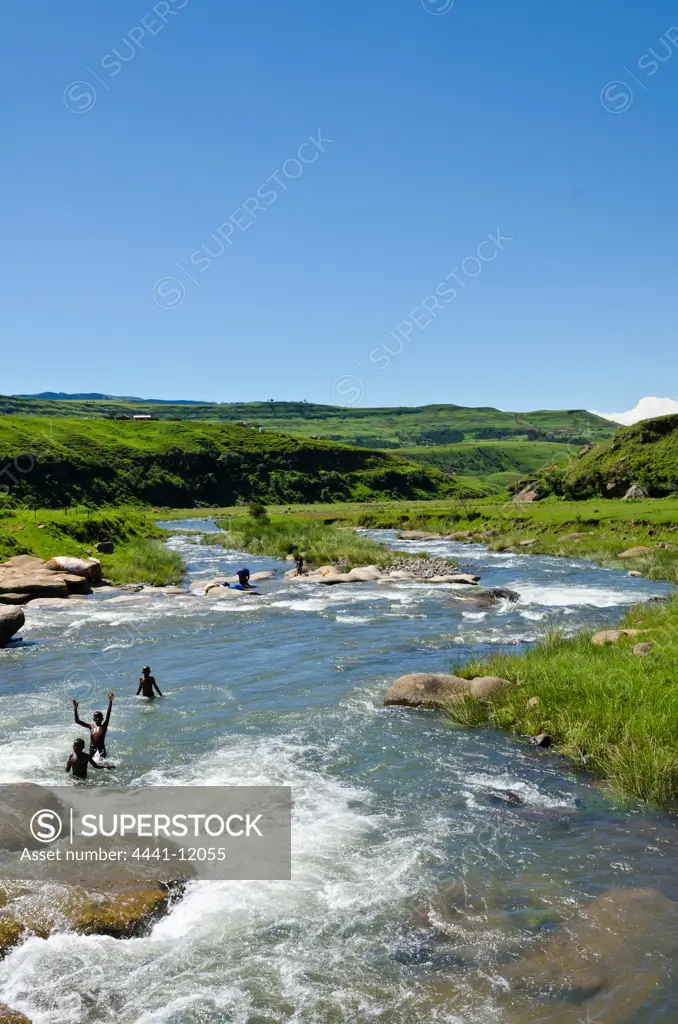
[416,895]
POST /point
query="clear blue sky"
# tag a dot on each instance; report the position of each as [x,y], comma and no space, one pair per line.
[446,125]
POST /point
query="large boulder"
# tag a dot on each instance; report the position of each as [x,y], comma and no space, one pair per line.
[90,568]
[436,689]
[24,583]
[11,621]
[635,492]
[418,535]
[635,552]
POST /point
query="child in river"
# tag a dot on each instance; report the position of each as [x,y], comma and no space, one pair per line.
[97,729]
[147,683]
[79,761]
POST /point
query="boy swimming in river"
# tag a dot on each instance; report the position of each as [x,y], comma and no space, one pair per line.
[97,729]
[147,683]
[79,761]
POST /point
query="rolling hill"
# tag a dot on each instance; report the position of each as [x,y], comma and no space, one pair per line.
[645,454]
[60,462]
[369,428]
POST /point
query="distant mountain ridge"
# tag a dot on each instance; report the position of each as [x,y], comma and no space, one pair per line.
[385,428]
[95,396]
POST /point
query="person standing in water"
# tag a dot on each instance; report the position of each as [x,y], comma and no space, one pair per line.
[97,729]
[79,761]
[300,564]
[147,684]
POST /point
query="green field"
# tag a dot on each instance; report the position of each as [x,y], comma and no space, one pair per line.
[370,428]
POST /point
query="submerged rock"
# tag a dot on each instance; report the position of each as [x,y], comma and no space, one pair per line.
[501,592]
[436,689]
[601,948]
[505,796]
[8,1016]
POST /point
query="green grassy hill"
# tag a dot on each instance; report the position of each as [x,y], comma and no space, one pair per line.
[57,462]
[645,454]
[498,459]
[369,428]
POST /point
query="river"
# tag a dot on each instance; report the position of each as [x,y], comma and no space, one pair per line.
[415,891]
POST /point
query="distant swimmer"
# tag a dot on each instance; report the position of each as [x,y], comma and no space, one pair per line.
[97,729]
[147,683]
[79,761]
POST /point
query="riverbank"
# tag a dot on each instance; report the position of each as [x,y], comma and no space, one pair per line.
[611,705]
[602,531]
[138,554]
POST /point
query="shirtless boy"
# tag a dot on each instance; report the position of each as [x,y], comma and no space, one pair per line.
[147,683]
[97,729]
[79,761]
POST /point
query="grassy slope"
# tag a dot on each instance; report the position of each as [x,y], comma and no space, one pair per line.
[644,454]
[609,710]
[139,554]
[482,458]
[382,427]
[164,463]
[321,544]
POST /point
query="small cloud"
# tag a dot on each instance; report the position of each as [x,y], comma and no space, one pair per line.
[646,409]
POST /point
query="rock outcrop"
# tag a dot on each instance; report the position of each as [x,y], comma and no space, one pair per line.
[635,492]
[24,578]
[635,552]
[11,621]
[435,690]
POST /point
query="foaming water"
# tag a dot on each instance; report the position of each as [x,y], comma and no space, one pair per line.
[415,883]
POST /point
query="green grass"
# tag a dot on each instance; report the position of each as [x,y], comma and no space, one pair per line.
[609,710]
[372,428]
[139,555]
[482,458]
[645,454]
[103,462]
[321,544]
[143,561]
